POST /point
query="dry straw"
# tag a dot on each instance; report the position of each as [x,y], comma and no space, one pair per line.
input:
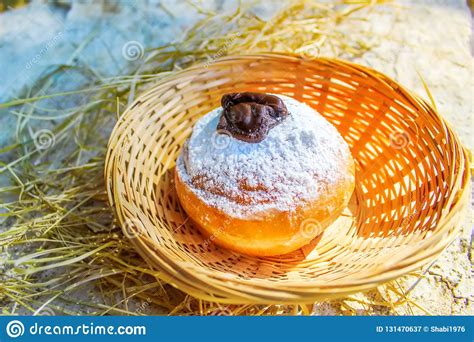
[412,177]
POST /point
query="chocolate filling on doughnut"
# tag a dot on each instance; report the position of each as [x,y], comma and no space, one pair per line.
[250,116]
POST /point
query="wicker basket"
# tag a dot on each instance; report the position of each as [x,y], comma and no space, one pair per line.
[412,176]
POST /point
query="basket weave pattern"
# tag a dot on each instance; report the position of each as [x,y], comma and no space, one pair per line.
[412,176]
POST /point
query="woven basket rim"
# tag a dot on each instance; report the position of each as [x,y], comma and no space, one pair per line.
[406,263]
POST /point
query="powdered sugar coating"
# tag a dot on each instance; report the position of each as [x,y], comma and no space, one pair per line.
[290,167]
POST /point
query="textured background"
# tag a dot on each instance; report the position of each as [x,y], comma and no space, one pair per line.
[428,38]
